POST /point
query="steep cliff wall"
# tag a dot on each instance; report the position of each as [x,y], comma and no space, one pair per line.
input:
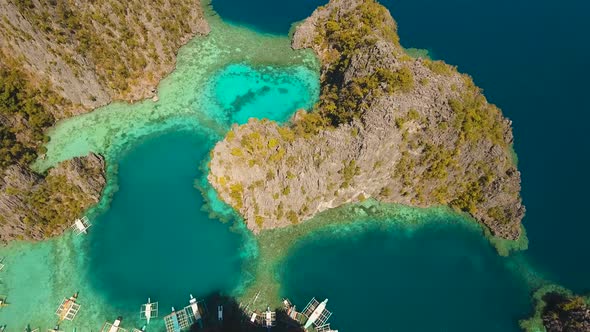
[558,310]
[388,126]
[59,58]
[35,207]
[96,51]
[562,313]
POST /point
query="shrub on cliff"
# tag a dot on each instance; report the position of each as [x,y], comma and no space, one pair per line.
[21,102]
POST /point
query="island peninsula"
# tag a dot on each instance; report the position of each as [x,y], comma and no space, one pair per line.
[388,126]
[57,60]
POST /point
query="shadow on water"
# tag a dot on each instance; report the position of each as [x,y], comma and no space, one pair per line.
[235,319]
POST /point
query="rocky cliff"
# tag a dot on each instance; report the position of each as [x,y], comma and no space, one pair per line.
[558,310]
[94,51]
[565,314]
[35,207]
[387,126]
[59,58]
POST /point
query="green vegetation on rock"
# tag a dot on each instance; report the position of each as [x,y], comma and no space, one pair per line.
[88,30]
[558,309]
[63,57]
[401,129]
[24,117]
[57,202]
[346,36]
[476,119]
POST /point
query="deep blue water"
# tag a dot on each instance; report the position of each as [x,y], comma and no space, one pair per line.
[531,59]
[268,16]
[391,280]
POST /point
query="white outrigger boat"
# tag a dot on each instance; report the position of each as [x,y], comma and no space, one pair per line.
[80,226]
[194,308]
[149,310]
[68,309]
[325,328]
[114,326]
[270,318]
[176,321]
[316,313]
[184,318]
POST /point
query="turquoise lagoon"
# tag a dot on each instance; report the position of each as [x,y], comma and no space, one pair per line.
[154,233]
[157,231]
[138,248]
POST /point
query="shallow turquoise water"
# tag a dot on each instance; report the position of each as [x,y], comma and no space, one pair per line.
[152,234]
[199,93]
[157,237]
[239,92]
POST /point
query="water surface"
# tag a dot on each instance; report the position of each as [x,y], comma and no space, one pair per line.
[153,234]
[440,277]
[266,16]
[156,240]
[530,59]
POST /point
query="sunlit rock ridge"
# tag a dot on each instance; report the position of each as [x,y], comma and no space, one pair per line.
[387,126]
[94,52]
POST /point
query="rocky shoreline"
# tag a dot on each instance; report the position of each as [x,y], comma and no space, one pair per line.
[561,313]
[36,207]
[94,53]
[59,59]
[388,126]
[558,310]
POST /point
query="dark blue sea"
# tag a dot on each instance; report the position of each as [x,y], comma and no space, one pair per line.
[531,59]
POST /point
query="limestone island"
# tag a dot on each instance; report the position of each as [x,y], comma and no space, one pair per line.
[388,126]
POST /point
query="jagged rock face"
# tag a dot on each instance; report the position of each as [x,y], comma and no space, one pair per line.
[96,51]
[419,133]
[35,207]
[565,315]
[16,184]
[74,56]
[84,173]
